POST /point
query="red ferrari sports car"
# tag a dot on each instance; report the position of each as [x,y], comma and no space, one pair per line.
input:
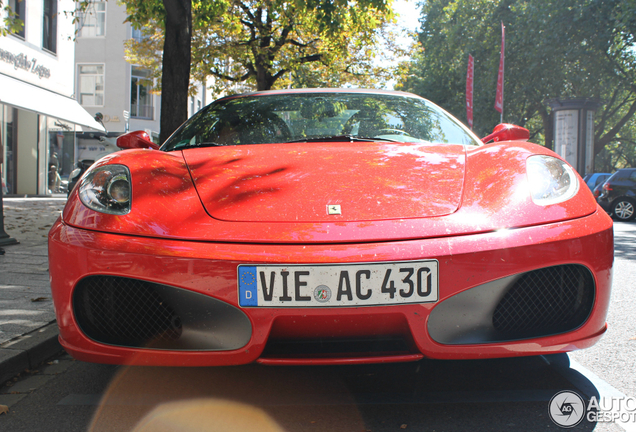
[328,226]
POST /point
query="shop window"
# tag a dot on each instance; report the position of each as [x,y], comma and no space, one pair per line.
[19,10]
[140,95]
[91,85]
[92,21]
[49,26]
[8,135]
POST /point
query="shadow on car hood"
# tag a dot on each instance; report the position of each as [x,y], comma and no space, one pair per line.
[328,182]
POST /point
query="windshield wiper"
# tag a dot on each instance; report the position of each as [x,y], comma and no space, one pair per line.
[339,138]
[206,144]
[186,145]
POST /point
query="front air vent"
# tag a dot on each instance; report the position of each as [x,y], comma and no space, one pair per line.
[527,305]
[135,313]
[122,311]
[335,348]
[545,301]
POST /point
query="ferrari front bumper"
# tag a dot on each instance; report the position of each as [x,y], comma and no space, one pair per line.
[198,280]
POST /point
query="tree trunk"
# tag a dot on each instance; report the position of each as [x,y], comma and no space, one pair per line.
[548,126]
[600,144]
[175,77]
[264,79]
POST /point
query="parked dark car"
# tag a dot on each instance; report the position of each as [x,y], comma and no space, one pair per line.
[597,190]
[595,179]
[618,195]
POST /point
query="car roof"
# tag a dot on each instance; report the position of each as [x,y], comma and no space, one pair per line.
[321,90]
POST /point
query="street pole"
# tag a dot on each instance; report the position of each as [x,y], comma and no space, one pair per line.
[5,239]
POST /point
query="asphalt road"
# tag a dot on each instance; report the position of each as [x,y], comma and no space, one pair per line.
[484,395]
[493,395]
[614,357]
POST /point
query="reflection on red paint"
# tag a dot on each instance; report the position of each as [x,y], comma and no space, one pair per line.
[371,181]
[484,191]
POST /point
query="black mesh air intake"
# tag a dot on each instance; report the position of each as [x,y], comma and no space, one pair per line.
[546,301]
[122,311]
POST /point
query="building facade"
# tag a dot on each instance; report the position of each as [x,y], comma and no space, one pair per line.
[107,84]
[39,116]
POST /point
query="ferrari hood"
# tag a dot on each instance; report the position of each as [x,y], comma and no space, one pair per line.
[327,182]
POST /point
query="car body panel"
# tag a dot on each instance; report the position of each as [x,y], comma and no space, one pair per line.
[496,196]
[621,186]
[593,180]
[210,269]
[200,211]
[291,183]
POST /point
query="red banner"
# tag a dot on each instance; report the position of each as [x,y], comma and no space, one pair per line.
[500,78]
[469,90]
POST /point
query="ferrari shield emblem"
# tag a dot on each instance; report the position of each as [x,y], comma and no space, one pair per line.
[333,209]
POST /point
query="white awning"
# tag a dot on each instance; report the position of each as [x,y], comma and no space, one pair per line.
[31,98]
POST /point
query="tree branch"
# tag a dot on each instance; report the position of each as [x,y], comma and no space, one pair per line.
[605,116]
[609,136]
[279,74]
[245,9]
[310,58]
[221,75]
[300,44]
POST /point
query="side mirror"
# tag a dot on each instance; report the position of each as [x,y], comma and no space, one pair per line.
[99,118]
[507,132]
[135,140]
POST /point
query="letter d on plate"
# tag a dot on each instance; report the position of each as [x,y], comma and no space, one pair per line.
[247,286]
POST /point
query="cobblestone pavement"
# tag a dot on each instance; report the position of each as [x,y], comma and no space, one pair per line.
[29,220]
[26,306]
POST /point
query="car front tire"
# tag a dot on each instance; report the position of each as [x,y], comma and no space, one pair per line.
[624,209]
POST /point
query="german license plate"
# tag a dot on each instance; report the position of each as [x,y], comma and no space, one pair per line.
[364,284]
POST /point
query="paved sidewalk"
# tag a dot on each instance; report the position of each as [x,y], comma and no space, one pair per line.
[28,333]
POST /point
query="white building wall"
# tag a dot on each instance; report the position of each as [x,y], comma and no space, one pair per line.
[26,60]
[109,50]
[59,64]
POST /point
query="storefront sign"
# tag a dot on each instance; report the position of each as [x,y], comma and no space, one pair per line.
[21,61]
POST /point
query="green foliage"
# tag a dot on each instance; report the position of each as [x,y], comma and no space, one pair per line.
[152,12]
[10,23]
[273,43]
[620,152]
[554,49]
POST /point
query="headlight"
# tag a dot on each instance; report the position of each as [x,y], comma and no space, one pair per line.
[551,180]
[107,189]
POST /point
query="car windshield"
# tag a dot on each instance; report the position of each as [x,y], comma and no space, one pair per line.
[342,116]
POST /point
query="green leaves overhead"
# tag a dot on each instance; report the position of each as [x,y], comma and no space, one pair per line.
[146,12]
[554,49]
[269,43]
[10,23]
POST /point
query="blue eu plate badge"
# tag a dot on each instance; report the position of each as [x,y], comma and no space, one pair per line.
[247,286]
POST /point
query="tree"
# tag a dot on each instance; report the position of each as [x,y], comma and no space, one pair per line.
[175,18]
[265,40]
[11,23]
[282,42]
[570,48]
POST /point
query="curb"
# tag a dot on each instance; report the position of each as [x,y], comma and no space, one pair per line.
[28,351]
